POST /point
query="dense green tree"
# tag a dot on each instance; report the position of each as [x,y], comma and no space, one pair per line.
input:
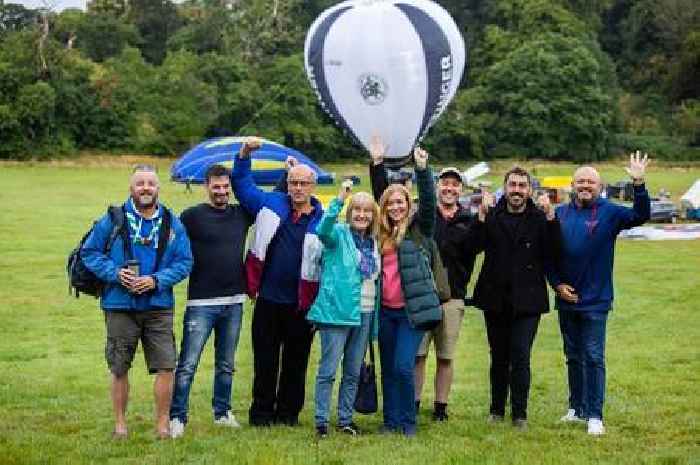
[156,21]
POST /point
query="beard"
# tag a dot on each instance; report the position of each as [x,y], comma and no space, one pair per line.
[145,201]
[517,198]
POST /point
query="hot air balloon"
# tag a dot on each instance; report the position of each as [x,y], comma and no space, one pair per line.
[385,67]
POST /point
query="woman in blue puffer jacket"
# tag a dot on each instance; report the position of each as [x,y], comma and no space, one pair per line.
[347,301]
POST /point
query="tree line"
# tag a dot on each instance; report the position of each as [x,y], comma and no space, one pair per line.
[558,79]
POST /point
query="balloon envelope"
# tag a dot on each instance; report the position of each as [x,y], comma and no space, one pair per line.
[385,67]
[269,162]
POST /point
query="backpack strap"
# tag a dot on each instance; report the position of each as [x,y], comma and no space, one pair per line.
[163,235]
[118,218]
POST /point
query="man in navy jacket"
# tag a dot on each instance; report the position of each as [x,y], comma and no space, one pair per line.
[139,304]
[584,286]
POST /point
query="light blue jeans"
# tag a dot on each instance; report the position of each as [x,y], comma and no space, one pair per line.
[198,324]
[349,342]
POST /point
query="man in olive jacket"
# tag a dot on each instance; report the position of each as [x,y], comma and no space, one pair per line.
[520,243]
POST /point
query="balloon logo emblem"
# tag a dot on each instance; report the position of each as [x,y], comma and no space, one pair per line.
[373,88]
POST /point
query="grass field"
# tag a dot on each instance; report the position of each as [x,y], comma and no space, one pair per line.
[54,397]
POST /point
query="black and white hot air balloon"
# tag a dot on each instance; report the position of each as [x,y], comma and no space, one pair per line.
[385,67]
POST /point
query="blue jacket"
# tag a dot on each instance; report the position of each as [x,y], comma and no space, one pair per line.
[338,300]
[588,248]
[174,266]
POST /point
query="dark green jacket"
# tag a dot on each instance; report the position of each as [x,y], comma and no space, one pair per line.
[420,266]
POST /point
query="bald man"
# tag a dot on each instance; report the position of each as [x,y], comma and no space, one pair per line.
[583,283]
[138,299]
[282,275]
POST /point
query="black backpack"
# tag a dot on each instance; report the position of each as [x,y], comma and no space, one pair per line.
[80,279]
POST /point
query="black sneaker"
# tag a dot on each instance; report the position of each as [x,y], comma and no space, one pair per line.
[322,432]
[440,415]
[350,429]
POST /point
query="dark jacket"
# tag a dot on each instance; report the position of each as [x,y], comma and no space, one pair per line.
[514,267]
[450,236]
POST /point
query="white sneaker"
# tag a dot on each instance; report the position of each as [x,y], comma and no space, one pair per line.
[177,428]
[228,420]
[595,427]
[571,417]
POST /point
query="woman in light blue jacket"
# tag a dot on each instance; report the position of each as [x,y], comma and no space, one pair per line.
[344,309]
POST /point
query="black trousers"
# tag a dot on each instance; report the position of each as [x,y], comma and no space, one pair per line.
[278,391]
[510,340]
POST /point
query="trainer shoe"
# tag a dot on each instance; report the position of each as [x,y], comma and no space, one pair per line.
[595,427]
[322,431]
[177,428]
[227,420]
[350,429]
[520,424]
[571,417]
[493,418]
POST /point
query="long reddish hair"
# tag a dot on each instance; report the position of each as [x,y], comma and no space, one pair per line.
[391,233]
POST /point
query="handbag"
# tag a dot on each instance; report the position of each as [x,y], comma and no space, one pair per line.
[366,397]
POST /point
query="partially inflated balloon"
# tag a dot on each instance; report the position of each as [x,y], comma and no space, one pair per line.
[385,67]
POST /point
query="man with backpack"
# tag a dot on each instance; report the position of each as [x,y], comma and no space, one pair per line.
[138,269]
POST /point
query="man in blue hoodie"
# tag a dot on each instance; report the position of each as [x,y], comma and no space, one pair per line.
[584,286]
[138,299]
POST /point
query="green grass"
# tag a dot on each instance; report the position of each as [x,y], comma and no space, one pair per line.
[54,397]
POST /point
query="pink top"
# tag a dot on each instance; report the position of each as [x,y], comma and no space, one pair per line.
[392,295]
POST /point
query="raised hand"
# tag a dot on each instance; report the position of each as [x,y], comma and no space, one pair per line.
[377,149]
[291,162]
[638,166]
[250,145]
[487,201]
[420,156]
[544,204]
[567,293]
[345,190]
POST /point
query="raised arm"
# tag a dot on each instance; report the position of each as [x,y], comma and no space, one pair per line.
[426,193]
[641,208]
[378,176]
[326,229]
[250,196]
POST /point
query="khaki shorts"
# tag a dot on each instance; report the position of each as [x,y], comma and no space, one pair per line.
[155,330]
[446,333]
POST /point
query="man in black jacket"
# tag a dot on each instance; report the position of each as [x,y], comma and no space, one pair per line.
[452,227]
[215,297]
[520,242]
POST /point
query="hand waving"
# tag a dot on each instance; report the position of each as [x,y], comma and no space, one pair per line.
[638,166]
[420,156]
[377,149]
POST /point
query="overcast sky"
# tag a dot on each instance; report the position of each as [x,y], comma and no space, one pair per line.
[58,5]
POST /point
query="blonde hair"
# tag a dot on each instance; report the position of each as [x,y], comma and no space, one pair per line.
[390,234]
[360,198]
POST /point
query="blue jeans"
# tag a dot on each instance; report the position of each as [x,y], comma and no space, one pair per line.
[584,346]
[198,323]
[398,345]
[349,342]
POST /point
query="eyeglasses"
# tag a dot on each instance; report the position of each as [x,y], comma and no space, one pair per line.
[299,183]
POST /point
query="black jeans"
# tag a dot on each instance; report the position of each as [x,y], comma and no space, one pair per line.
[510,340]
[278,392]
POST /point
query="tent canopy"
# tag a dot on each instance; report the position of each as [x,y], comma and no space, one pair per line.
[556,182]
[691,199]
[268,161]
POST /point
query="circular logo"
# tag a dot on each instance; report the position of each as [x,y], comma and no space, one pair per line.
[373,89]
